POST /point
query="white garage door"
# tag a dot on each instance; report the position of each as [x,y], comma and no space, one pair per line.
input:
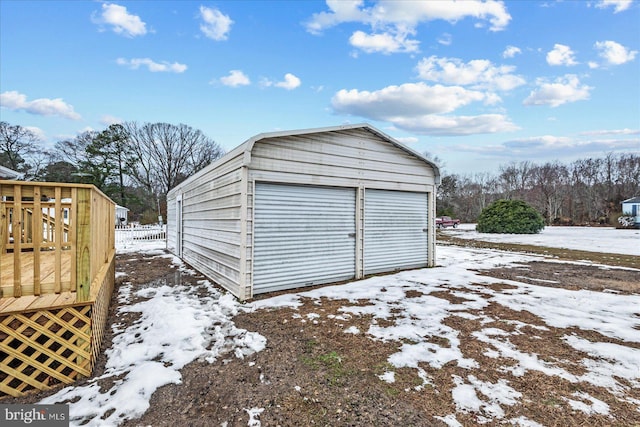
[303,236]
[395,231]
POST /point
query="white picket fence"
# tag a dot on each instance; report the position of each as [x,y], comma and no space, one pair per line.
[129,234]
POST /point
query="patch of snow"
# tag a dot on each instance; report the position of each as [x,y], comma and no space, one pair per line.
[426,380]
[595,406]
[254,416]
[352,330]
[612,315]
[389,377]
[590,239]
[449,420]
[608,361]
[465,397]
[523,421]
[150,247]
[176,325]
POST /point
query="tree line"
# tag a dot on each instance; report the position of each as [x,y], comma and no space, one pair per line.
[585,191]
[135,164]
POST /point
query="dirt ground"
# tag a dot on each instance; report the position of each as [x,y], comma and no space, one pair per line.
[313,374]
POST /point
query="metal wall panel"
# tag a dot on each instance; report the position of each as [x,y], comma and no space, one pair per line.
[303,235]
[395,230]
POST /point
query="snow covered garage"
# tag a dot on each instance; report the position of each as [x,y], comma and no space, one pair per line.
[305,207]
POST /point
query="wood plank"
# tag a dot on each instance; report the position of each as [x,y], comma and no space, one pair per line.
[59,231]
[4,302]
[16,230]
[4,227]
[37,239]
[43,302]
[47,273]
[83,242]
[19,304]
[73,271]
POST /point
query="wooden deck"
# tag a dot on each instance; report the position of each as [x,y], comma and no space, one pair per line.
[57,269]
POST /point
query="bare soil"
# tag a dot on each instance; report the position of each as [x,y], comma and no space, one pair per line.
[313,374]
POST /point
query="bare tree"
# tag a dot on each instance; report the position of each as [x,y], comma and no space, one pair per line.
[17,145]
[550,186]
[166,154]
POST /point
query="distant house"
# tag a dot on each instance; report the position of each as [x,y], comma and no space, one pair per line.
[631,207]
[6,173]
[121,215]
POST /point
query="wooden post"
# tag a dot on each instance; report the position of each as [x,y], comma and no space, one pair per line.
[37,239]
[59,230]
[73,225]
[83,242]
[4,231]
[16,229]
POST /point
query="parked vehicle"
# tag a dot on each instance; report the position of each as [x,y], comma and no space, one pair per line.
[447,221]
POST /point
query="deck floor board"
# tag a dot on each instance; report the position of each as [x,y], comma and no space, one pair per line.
[47,297]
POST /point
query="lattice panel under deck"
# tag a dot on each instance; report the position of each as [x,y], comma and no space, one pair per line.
[43,348]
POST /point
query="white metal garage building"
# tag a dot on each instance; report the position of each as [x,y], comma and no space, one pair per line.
[298,208]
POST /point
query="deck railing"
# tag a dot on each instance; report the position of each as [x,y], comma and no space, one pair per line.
[54,238]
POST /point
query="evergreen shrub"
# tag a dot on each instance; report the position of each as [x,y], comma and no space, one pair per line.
[510,216]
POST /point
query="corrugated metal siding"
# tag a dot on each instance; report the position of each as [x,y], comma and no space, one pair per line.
[348,158]
[302,236]
[171,223]
[211,217]
[395,236]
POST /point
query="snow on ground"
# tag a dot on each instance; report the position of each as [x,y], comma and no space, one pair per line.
[592,239]
[415,321]
[150,353]
[176,326]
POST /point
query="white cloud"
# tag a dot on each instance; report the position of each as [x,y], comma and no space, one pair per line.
[383,42]
[407,100]
[109,120]
[479,73]
[290,82]
[614,53]
[235,78]
[538,141]
[37,132]
[154,67]
[121,21]
[561,55]
[445,39]
[511,51]
[549,145]
[564,89]
[340,11]
[407,140]
[418,107]
[618,5]
[612,132]
[216,25]
[16,101]
[456,125]
[393,21]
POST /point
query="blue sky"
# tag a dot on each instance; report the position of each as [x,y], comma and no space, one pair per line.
[477,83]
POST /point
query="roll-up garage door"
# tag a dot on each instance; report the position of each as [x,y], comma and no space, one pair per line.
[303,236]
[395,231]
